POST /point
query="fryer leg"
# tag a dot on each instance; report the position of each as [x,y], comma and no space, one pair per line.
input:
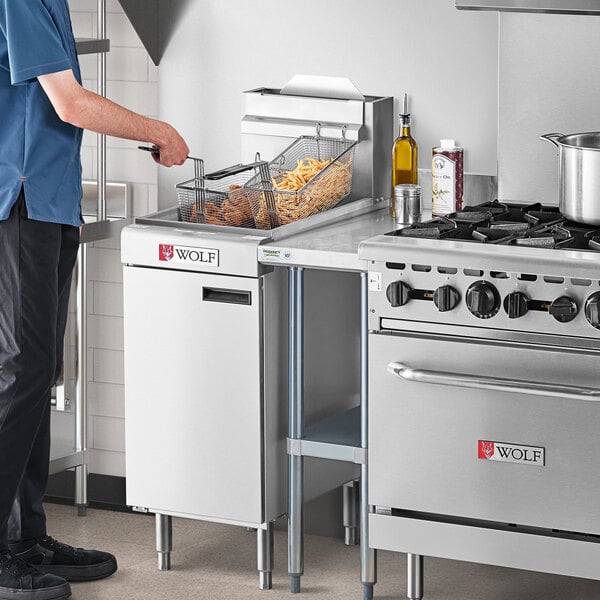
[351,512]
[264,547]
[414,566]
[164,541]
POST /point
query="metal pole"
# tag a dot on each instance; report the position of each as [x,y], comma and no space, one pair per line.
[295,427]
[101,140]
[81,382]
[368,556]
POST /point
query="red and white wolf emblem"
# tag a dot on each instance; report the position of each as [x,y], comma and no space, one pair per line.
[486,449]
[165,252]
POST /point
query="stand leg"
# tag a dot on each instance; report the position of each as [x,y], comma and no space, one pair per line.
[351,504]
[164,541]
[368,556]
[264,547]
[295,426]
[414,564]
[81,500]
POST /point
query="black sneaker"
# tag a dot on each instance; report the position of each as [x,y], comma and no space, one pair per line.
[20,581]
[73,564]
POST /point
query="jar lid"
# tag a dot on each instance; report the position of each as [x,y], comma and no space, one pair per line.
[408,189]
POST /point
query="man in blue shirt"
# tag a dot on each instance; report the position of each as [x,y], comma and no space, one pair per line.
[43,109]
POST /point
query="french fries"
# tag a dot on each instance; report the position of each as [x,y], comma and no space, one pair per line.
[297,178]
[294,201]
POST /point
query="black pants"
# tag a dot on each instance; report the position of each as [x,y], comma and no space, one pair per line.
[36,263]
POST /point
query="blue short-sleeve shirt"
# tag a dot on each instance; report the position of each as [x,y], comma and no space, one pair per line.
[38,151]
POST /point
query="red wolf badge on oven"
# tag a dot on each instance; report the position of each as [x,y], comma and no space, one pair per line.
[511,453]
[165,252]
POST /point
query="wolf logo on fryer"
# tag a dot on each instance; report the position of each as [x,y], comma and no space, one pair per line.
[486,449]
[165,252]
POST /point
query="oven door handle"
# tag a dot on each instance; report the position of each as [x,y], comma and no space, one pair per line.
[498,384]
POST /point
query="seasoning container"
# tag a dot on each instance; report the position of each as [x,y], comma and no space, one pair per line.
[407,204]
[447,178]
[404,154]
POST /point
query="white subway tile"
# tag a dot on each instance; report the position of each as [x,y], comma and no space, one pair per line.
[106,400]
[88,66]
[121,31]
[107,366]
[108,299]
[83,5]
[105,332]
[82,24]
[109,433]
[104,265]
[106,462]
[139,96]
[131,165]
[127,64]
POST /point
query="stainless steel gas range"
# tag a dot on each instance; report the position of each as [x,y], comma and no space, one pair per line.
[484,420]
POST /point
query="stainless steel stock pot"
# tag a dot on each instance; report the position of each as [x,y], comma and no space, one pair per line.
[578,175]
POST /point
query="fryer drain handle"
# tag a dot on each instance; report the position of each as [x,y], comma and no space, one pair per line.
[498,384]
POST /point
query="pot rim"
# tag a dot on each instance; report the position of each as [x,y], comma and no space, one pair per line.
[559,140]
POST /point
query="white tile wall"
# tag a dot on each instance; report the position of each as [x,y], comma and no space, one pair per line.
[132,82]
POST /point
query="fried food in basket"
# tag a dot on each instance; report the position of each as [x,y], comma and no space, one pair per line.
[324,193]
[234,211]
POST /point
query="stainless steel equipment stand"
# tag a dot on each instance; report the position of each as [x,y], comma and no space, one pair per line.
[296,434]
[77,458]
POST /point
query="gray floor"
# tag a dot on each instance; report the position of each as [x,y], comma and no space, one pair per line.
[212,561]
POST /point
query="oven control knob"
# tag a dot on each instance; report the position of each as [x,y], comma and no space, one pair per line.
[483,299]
[516,304]
[592,310]
[397,293]
[563,309]
[446,298]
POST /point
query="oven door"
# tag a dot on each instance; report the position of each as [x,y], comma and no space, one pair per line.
[488,431]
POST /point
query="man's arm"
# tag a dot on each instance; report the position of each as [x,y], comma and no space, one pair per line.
[82,108]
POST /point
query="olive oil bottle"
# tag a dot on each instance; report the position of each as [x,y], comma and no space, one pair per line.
[405,154]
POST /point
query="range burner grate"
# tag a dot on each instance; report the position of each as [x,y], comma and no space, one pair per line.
[503,223]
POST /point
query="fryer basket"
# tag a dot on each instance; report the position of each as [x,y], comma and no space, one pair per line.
[219,198]
[323,191]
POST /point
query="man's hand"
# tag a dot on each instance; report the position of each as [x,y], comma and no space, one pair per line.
[82,108]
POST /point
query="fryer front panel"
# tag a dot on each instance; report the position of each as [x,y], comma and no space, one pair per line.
[193,394]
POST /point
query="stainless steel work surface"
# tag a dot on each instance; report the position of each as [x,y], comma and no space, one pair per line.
[333,246]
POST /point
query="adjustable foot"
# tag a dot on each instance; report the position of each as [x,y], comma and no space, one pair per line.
[295,584]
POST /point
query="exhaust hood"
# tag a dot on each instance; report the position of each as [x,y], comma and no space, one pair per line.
[566,7]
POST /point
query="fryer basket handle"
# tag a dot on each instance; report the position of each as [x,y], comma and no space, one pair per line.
[532,388]
[233,170]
